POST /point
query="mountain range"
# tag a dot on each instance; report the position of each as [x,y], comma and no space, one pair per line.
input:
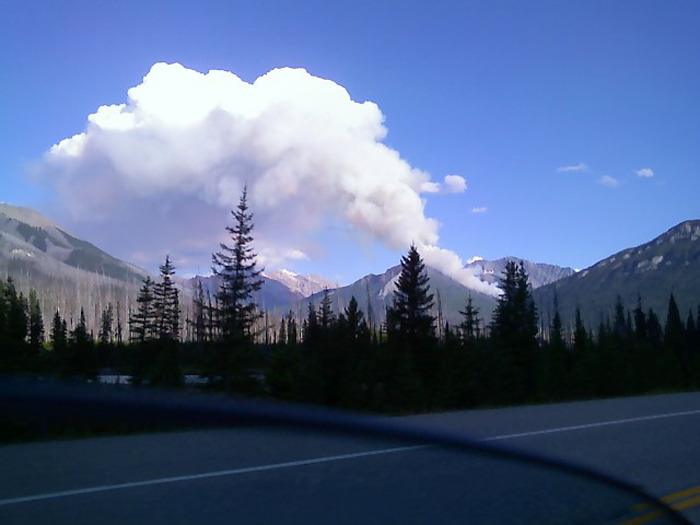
[540,274]
[652,271]
[69,273]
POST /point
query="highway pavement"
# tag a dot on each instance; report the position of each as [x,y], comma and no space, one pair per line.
[258,475]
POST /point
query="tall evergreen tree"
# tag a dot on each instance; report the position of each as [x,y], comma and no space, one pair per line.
[675,340]
[82,361]
[410,328]
[690,324]
[620,325]
[175,314]
[106,325]
[36,323]
[282,332]
[354,319]
[142,323]
[514,332]
[558,372]
[469,326]
[59,334]
[292,332]
[640,322]
[166,304]
[580,334]
[17,322]
[556,329]
[654,330]
[312,327]
[413,302]
[326,317]
[236,265]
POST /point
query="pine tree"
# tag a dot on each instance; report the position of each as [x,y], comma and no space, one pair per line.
[312,327]
[413,302]
[556,330]
[354,319]
[674,339]
[583,361]
[166,304]
[515,317]
[36,323]
[240,278]
[514,332]
[411,334]
[326,316]
[558,367]
[17,317]
[654,330]
[469,326]
[59,334]
[142,322]
[80,332]
[282,335]
[690,324]
[106,325]
[83,358]
[292,332]
[580,334]
[175,316]
[640,322]
[620,325]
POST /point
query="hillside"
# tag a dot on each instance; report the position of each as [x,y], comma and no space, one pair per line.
[68,273]
[669,263]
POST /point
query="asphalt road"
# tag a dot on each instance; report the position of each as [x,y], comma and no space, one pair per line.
[251,475]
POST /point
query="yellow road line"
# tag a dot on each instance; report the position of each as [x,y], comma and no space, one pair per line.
[683,504]
[639,507]
[687,504]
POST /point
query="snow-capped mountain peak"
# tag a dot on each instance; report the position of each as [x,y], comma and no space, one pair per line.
[306,285]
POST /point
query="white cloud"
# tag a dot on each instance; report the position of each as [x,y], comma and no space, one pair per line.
[580,167]
[309,153]
[645,173]
[608,181]
[430,187]
[455,184]
[480,209]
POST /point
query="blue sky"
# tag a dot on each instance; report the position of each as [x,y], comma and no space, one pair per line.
[501,93]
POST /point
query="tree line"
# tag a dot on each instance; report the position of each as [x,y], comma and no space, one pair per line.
[413,361]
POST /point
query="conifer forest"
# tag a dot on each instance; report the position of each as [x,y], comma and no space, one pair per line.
[413,361]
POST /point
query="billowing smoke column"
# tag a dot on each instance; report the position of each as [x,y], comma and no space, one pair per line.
[305,149]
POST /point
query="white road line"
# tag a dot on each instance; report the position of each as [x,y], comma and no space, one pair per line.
[594,425]
[315,461]
[205,475]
